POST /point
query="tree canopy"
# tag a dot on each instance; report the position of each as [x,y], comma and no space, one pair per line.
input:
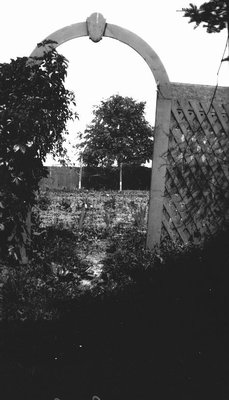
[214,14]
[118,133]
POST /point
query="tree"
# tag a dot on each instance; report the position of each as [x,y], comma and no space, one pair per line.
[214,14]
[34,110]
[118,133]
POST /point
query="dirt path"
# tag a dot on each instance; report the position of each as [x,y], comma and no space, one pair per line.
[94,256]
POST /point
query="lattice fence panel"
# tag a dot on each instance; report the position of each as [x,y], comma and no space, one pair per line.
[196,201]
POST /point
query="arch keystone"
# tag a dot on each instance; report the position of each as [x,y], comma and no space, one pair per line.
[96,25]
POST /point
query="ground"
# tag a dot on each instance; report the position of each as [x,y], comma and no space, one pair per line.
[99,211]
[166,339]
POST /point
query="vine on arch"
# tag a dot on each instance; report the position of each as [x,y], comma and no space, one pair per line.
[34,109]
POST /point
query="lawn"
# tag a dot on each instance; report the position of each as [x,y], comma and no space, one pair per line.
[95,314]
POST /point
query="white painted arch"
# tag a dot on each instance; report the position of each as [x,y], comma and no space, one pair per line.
[115,32]
[96,27]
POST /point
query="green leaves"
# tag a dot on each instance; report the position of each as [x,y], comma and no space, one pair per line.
[34,110]
[118,132]
[214,14]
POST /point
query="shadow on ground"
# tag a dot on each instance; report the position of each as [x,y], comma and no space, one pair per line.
[167,337]
[133,348]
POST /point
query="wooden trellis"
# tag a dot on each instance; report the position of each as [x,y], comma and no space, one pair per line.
[196,193]
[190,130]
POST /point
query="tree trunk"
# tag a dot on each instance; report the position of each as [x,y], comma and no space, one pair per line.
[26,235]
[120,177]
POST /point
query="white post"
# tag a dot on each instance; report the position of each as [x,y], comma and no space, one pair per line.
[80,173]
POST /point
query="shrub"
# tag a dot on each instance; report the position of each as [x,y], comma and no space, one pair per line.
[52,277]
[179,271]
[43,201]
[65,204]
[34,110]
[127,261]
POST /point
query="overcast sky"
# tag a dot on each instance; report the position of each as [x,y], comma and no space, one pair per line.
[99,70]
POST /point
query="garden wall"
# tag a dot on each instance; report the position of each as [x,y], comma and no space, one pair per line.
[67,178]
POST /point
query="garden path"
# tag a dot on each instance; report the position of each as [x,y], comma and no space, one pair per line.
[94,256]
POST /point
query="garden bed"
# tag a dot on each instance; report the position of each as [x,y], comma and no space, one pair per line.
[98,209]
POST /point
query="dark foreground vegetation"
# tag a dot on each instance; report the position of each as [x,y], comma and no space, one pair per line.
[152,326]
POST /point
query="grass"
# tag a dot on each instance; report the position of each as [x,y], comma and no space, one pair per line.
[151,327]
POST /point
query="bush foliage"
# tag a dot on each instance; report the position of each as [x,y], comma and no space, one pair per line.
[34,110]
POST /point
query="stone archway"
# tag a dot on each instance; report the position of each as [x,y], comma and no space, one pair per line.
[96,28]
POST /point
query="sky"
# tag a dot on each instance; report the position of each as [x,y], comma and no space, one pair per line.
[98,70]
